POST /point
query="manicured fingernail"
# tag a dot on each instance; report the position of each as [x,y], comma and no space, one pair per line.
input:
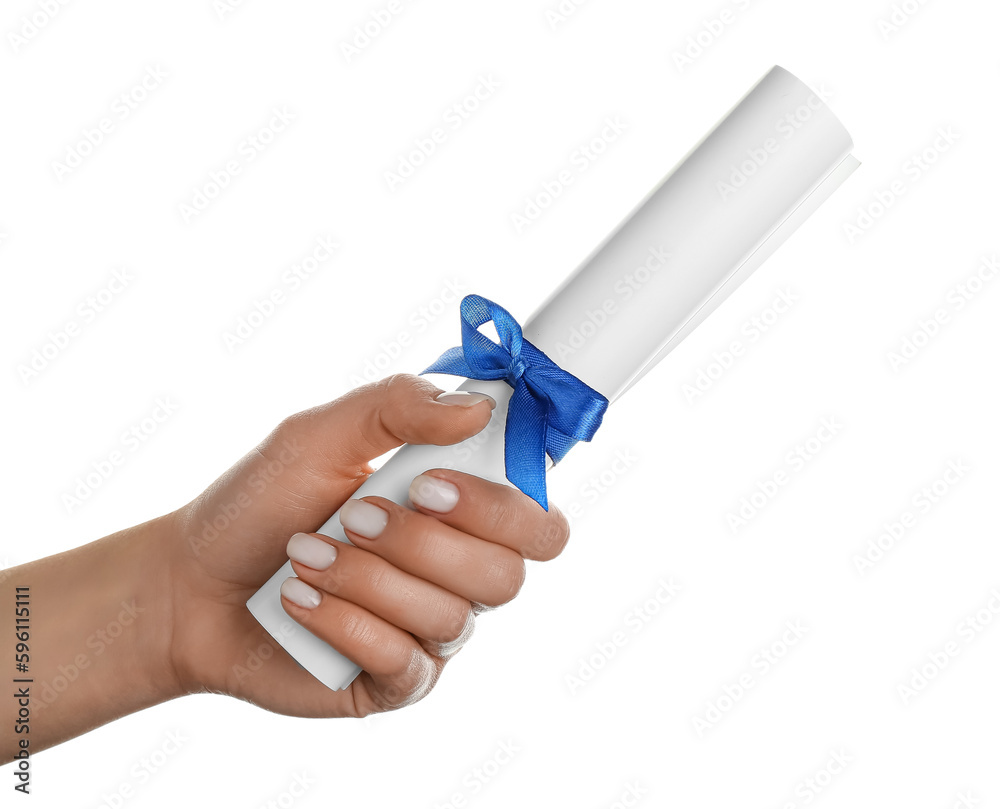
[465,398]
[298,592]
[363,518]
[433,494]
[311,552]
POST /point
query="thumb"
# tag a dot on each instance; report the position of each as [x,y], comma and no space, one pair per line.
[313,461]
[347,433]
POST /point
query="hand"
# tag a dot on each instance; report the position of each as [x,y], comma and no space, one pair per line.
[399,601]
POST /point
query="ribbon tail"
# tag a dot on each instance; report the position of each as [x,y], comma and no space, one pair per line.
[451,362]
[524,444]
[557,443]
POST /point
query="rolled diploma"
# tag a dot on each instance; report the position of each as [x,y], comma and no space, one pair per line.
[739,194]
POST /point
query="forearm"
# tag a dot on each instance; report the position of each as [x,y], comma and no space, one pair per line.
[98,637]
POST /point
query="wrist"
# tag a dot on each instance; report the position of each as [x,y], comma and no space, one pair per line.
[145,593]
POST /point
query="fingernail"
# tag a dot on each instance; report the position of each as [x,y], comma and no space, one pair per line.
[310,551]
[465,398]
[298,592]
[363,518]
[433,494]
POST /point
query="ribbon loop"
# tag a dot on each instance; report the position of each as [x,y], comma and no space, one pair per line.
[549,410]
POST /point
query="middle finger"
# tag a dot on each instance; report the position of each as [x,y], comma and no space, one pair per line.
[473,568]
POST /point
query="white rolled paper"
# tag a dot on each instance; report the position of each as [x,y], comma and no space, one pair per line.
[771,161]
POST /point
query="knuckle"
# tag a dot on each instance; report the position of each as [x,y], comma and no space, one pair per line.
[288,428]
[389,698]
[392,393]
[337,577]
[376,576]
[505,578]
[456,615]
[419,529]
[551,537]
[413,682]
[501,513]
[401,385]
[354,629]
[340,575]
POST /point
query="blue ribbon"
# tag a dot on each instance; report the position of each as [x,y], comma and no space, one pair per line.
[550,409]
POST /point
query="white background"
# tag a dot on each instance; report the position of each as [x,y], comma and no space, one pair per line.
[632,725]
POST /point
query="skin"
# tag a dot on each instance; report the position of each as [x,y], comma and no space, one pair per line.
[158,611]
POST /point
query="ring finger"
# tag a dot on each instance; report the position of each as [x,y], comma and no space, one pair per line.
[441,620]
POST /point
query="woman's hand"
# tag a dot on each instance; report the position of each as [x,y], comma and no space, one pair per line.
[399,601]
[159,610]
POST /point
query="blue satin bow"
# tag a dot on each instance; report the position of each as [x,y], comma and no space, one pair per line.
[550,409]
